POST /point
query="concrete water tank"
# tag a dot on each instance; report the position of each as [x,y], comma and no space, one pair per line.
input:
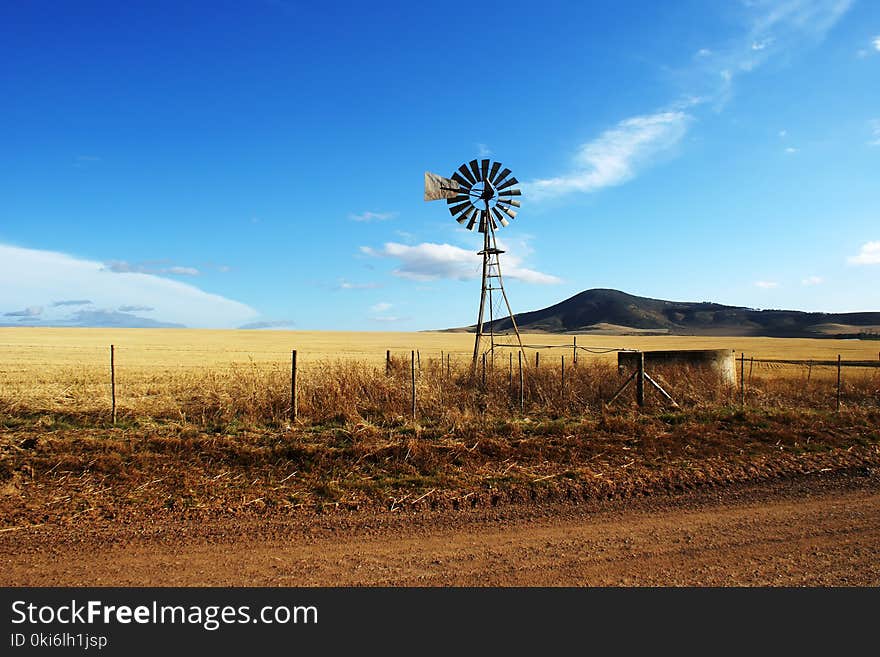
[721,361]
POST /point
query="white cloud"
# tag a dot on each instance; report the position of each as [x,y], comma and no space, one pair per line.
[483,150]
[791,149]
[31,277]
[703,52]
[429,261]
[616,155]
[876,43]
[809,281]
[783,133]
[380,307]
[372,216]
[766,285]
[869,254]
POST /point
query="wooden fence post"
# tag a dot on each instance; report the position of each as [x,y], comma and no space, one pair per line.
[838,383]
[522,392]
[387,362]
[113,382]
[562,380]
[574,350]
[742,380]
[419,359]
[294,402]
[537,359]
[412,369]
[484,369]
[640,380]
[448,365]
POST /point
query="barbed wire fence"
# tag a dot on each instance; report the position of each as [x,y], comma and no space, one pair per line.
[419,387]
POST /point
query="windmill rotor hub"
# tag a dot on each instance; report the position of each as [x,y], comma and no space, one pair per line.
[480,194]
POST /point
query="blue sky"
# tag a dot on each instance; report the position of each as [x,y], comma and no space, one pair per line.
[236,164]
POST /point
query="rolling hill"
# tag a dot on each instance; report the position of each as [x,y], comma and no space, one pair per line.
[611,312]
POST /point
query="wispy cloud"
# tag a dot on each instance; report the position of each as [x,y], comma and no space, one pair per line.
[810,281]
[766,285]
[772,30]
[791,149]
[33,277]
[876,43]
[373,216]
[348,285]
[136,309]
[82,161]
[869,254]
[616,155]
[150,267]
[268,324]
[429,261]
[874,126]
[30,311]
[380,307]
[71,302]
[483,150]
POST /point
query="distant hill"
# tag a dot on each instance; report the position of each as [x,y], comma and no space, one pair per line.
[611,312]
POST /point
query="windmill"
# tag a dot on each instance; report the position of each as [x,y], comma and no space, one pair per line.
[481,194]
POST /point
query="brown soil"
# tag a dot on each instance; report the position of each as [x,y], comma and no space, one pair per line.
[815,530]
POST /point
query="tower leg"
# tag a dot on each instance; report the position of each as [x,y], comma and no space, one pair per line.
[483,289]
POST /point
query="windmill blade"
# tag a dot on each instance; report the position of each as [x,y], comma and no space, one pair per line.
[455,209]
[494,225]
[467,174]
[475,167]
[457,199]
[506,184]
[482,221]
[484,169]
[501,176]
[472,220]
[461,181]
[465,215]
[509,201]
[510,213]
[495,167]
[437,187]
[510,192]
[500,217]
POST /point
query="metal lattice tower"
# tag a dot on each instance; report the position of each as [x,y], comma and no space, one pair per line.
[480,193]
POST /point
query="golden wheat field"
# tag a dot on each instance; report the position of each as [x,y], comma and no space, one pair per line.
[201,373]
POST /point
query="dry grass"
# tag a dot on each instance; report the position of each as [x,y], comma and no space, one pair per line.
[223,379]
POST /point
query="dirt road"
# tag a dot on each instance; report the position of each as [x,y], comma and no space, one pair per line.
[815,531]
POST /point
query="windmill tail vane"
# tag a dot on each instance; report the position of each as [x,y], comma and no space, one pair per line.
[481,194]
